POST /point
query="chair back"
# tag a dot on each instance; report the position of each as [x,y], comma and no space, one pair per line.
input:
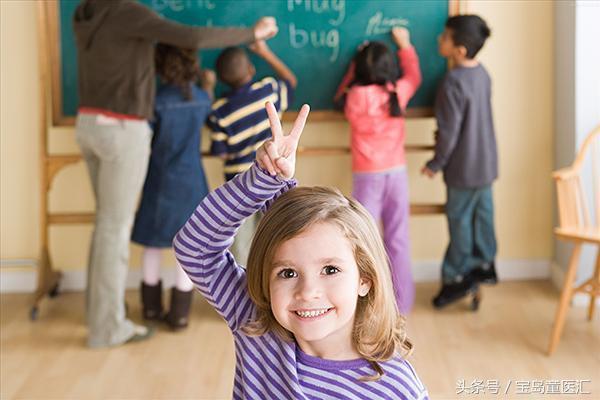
[578,188]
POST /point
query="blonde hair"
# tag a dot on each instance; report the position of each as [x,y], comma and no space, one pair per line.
[379,329]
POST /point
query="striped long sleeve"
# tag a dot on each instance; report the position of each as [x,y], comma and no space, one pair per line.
[202,244]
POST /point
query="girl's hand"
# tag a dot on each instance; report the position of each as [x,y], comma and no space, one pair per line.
[278,154]
[401,37]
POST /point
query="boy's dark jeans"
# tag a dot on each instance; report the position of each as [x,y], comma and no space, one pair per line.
[470,214]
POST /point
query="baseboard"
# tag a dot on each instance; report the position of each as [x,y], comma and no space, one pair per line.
[18,275]
[25,280]
[15,278]
[508,270]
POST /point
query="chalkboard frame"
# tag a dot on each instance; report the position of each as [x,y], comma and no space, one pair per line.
[60,119]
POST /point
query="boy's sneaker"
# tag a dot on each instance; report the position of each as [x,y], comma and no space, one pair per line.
[485,273]
[449,293]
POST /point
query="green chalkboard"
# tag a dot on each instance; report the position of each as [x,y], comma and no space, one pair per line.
[317,38]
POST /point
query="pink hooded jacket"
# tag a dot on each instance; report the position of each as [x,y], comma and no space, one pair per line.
[377,137]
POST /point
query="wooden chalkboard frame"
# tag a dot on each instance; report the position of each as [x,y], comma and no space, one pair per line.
[52,26]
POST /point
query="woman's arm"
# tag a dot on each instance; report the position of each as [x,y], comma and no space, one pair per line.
[138,20]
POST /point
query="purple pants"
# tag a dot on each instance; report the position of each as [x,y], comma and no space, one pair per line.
[385,196]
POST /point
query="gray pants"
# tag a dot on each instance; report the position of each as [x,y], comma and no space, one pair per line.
[116,153]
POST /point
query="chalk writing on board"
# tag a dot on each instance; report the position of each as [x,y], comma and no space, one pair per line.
[180,5]
[379,24]
[318,38]
[320,7]
[300,38]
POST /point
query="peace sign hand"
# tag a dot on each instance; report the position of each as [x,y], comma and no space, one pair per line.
[278,154]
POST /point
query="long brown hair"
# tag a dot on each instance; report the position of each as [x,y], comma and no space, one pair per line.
[177,66]
[379,329]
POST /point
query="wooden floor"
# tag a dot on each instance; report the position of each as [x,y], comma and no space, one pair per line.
[504,341]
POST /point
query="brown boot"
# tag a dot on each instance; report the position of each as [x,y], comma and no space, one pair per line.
[178,314]
[152,308]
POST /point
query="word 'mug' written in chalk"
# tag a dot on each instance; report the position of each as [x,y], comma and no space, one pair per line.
[318,38]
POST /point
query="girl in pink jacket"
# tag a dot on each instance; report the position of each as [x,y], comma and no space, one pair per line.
[375,106]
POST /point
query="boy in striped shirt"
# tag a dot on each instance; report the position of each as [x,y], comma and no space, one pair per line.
[238,122]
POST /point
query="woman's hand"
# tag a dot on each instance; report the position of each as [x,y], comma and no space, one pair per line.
[265,28]
[278,154]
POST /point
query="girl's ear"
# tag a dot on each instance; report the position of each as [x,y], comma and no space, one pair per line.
[364,286]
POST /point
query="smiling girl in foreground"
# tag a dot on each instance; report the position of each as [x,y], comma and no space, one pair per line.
[314,314]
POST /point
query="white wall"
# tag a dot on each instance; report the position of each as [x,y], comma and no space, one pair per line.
[587,95]
[577,105]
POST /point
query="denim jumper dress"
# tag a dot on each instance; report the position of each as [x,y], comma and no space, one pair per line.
[175,183]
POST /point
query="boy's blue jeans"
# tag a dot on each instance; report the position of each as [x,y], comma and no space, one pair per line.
[470,214]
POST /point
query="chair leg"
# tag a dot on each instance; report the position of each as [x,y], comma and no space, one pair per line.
[595,286]
[565,298]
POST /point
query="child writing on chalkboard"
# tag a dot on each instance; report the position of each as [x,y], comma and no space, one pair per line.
[312,315]
[465,150]
[239,122]
[175,182]
[375,105]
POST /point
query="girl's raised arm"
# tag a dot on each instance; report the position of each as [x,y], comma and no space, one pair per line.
[409,62]
[202,245]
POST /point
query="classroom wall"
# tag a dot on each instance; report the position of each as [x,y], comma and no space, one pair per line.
[19,128]
[519,57]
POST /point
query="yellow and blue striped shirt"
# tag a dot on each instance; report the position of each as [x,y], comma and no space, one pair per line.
[239,124]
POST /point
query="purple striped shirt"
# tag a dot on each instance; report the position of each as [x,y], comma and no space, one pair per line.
[268,367]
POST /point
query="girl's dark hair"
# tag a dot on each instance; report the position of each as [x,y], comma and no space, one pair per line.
[177,66]
[374,65]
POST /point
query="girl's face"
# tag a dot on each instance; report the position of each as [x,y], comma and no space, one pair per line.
[314,288]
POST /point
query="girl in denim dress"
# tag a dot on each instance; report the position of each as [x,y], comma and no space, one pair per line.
[176,182]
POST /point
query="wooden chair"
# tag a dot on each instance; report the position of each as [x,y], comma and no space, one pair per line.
[576,225]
